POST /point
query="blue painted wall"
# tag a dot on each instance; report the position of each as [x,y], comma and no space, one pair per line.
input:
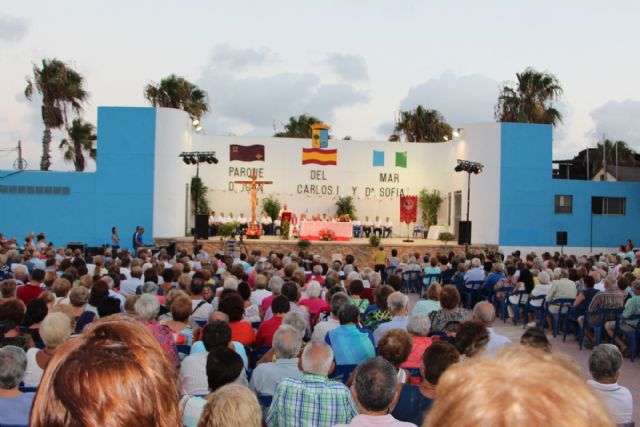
[527,193]
[119,193]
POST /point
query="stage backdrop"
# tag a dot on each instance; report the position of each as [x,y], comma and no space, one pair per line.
[310,179]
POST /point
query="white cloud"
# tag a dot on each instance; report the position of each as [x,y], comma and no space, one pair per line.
[265,100]
[224,57]
[351,68]
[12,29]
[460,99]
[618,120]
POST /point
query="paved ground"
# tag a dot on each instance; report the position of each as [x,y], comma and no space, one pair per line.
[630,376]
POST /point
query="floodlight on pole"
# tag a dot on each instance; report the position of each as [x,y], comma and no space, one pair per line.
[195,158]
[468,167]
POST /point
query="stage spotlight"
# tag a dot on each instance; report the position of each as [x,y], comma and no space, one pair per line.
[195,122]
[446,138]
[198,128]
[458,168]
[455,134]
[186,159]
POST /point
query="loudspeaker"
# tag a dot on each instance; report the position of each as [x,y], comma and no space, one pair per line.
[562,238]
[202,226]
[464,233]
[171,249]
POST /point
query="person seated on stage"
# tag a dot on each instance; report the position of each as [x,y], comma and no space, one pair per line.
[367,226]
[266,223]
[242,221]
[277,226]
[377,227]
[387,227]
[324,217]
[213,226]
[357,227]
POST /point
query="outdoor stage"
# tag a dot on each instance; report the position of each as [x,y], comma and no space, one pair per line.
[360,248]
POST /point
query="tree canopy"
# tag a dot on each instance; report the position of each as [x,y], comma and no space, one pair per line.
[177,92]
[530,99]
[298,127]
[421,125]
[82,138]
[61,87]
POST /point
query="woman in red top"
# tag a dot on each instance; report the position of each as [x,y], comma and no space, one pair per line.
[418,326]
[232,305]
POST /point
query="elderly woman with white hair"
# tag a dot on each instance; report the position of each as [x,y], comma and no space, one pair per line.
[14,405]
[418,327]
[54,331]
[147,309]
[314,302]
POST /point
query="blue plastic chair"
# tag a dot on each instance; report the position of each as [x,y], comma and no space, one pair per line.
[521,305]
[342,373]
[502,303]
[601,316]
[26,389]
[265,401]
[570,317]
[537,310]
[471,291]
[255,325]
[631,335]
[561,303]
[428,279]
[414,372]
[256,354]
[419,231]
[410,280]
[201,323]
[184,349]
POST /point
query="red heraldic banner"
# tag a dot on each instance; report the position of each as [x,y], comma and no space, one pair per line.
[246,153]
[408,209]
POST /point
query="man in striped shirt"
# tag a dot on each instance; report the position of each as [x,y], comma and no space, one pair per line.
[313,400]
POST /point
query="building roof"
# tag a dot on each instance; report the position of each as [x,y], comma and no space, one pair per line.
[625,173]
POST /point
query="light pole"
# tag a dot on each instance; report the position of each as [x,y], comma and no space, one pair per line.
[468,167]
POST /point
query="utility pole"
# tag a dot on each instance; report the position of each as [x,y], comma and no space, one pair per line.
[20,164]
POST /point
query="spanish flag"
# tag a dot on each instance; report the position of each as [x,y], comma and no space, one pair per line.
[318,156]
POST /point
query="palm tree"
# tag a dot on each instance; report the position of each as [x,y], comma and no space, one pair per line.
[299,127]
[531,99]
[82,139]
[626,155]
[60,87]
[177,92]
[422,125]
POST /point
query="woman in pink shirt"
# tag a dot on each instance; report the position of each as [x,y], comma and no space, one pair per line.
[314,303]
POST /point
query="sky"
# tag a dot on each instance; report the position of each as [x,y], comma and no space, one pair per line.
[352,63]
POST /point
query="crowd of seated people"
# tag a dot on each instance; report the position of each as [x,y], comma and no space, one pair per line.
[286,339]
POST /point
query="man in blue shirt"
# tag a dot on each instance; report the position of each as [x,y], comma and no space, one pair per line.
[137,238]
[398,304]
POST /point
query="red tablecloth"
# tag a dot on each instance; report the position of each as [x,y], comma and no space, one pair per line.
[309,229]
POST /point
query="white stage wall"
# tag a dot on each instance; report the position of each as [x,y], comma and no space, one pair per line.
[173,136]
[313,189]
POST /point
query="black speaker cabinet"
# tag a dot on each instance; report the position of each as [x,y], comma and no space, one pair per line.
[562,238]
[464,233]
[202,226]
